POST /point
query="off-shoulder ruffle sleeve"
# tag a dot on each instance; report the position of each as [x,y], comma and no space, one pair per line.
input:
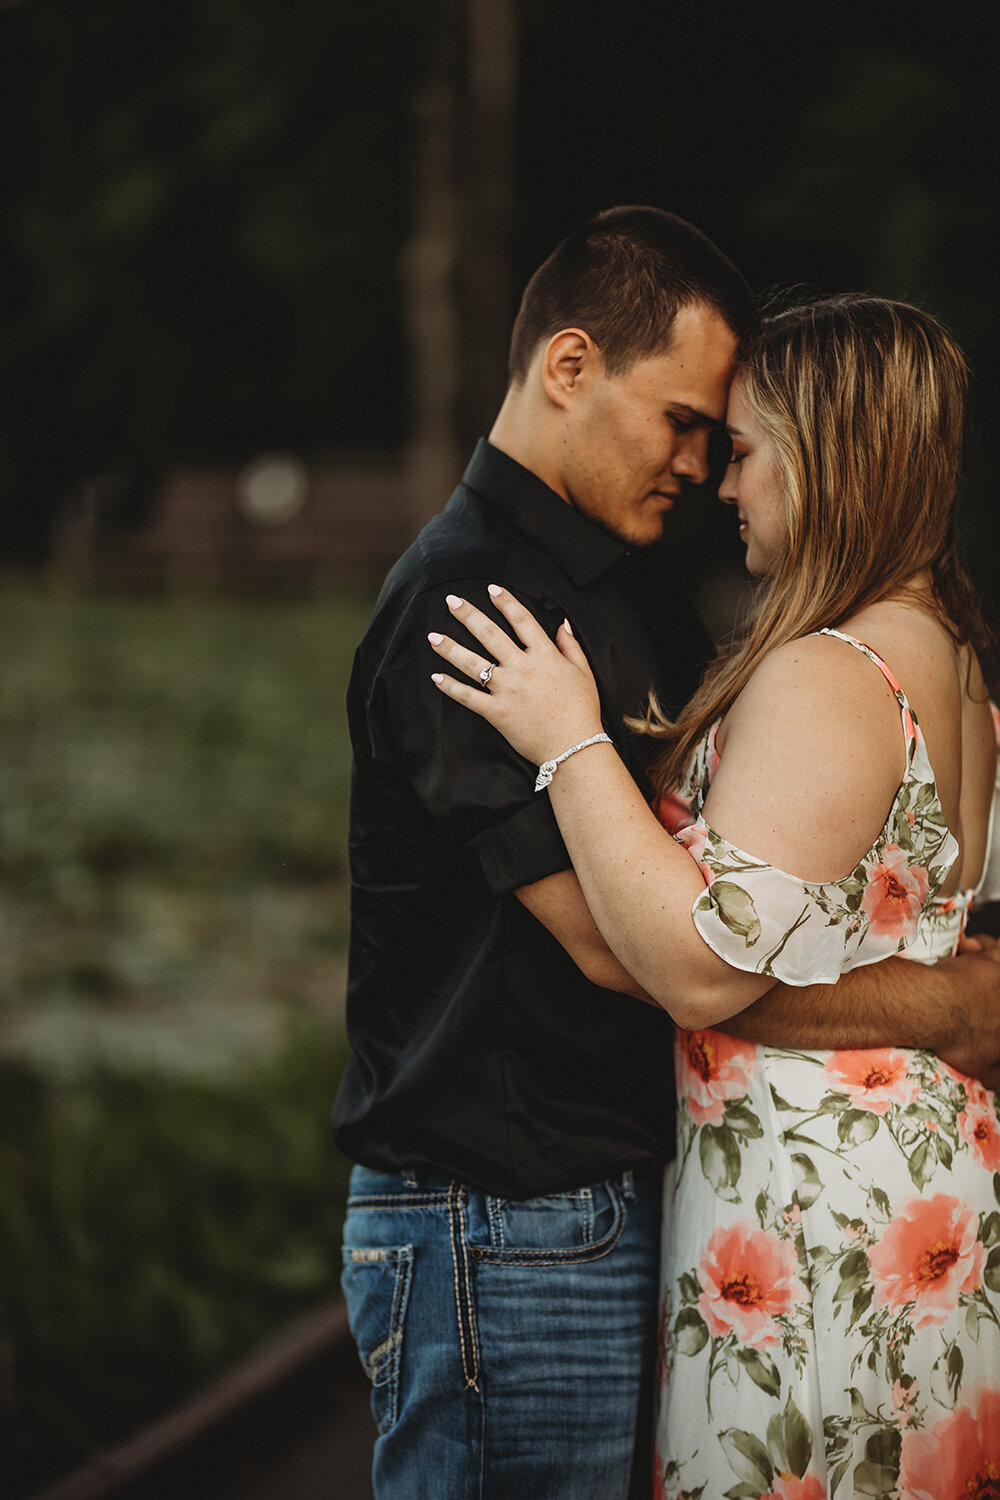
[765,921]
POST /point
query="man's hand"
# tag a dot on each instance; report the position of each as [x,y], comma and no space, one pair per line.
[975,1048]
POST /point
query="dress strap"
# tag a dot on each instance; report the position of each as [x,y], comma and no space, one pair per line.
[872,656]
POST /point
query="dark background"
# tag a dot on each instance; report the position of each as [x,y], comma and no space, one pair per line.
[212,211]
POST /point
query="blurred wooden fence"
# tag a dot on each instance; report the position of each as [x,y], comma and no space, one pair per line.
[345,526]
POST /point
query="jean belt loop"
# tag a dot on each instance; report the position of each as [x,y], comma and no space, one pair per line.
[628,1183]
[409,1177]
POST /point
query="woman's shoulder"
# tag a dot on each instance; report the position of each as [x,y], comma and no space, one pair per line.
[812,757]
[816,679]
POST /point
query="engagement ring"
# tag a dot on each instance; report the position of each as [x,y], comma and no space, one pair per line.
[486,674]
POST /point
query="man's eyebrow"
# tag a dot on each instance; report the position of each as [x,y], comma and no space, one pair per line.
[681,408]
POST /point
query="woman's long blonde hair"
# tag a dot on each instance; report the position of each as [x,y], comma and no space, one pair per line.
[864,402]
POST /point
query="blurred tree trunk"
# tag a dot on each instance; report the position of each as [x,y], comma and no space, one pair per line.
[456,267]
[488,203]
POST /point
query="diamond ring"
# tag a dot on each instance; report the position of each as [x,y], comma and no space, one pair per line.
[486,674]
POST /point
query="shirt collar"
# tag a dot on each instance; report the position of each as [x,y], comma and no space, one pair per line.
[582,549]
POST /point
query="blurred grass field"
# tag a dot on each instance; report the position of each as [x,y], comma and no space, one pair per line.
[173,917]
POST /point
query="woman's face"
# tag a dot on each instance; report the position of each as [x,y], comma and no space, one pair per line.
[753,485]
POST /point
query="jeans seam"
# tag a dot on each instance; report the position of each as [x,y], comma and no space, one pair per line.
[401,1201]
[462,1281]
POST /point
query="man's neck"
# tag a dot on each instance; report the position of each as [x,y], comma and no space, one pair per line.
[526,441]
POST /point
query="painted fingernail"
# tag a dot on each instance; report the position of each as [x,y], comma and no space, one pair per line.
[567,627]
[435,637]
[437,677]
[453,601]
[494,589]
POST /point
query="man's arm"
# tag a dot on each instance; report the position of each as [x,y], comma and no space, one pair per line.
[951,1008]
[557,902]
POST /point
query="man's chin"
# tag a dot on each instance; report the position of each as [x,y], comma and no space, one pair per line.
[646,535]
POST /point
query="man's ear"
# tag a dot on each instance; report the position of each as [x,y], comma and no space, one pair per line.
[570,362]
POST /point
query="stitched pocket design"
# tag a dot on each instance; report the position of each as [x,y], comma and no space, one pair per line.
[376,1283]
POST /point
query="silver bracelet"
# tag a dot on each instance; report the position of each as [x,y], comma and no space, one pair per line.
[547,769]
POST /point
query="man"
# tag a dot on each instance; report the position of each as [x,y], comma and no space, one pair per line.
[510,1095]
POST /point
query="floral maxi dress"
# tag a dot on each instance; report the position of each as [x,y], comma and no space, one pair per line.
[831,1312]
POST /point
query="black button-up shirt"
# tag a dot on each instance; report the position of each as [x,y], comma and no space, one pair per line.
[479,1050]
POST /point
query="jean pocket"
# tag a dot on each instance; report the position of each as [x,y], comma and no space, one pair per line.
[376,1285]
[559,1229]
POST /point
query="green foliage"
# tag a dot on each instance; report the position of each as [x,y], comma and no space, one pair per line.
[153,1229]
[173,802]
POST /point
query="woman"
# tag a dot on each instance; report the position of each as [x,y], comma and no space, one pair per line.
[831,1317]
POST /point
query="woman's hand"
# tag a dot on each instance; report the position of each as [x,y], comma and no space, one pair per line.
[540,695]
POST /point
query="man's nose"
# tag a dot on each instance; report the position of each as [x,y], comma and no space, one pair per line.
[690,459]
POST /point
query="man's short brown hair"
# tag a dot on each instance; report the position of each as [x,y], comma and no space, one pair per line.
[622,277]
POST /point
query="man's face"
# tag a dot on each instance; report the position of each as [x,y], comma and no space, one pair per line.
[631,439]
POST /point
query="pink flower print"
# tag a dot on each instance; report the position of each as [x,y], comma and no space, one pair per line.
[674,811]
[903,1400]
[958,1457]
[787,1487]
[972,1086]
[980,1130]
[874,1079]
[695,840]
[894,895]
[711,1068]
[930,1256]
[856,1232]
[748,1279]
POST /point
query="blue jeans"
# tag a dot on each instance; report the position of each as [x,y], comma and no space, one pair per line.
[510,1345]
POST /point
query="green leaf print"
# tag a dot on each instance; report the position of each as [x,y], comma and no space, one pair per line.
[861,1303]
[741,1119]
[880,1200]
[942,1147]
[690,1331]
[902,831]
[991,1275]
[989,1231]
[996,1186]
[789,1438]
[747,1457]
[761,1369]
[689,1287]
[857,1126]
[736,909]
[719,1154]
[837,1473]
[808,1185]
[878,1474]
[922,1164]
[946,1375]
[875,1479]
[853,1275]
